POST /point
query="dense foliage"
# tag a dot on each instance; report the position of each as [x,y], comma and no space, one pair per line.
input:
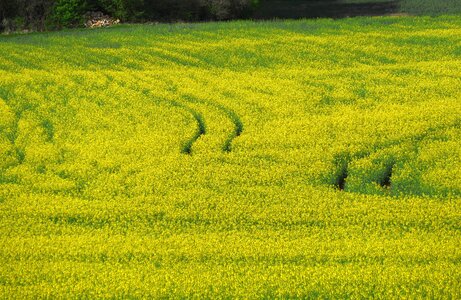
[42,14]
[272,159]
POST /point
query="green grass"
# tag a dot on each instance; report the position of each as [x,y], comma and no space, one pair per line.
[431,7]
[319,8]
[421,7]
[290,159]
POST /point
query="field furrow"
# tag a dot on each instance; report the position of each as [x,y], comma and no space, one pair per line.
[231,115]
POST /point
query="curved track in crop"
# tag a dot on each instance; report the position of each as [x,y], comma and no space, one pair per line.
[16,138]
[199,118]
[231,115]
[186,147]
[201,127]
[385,170]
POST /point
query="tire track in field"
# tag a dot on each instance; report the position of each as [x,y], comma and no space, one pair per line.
[45,127]
[343,160]
[201,127]
[235,119]
[12,133]
[201,130]
[18,139]
[182,57]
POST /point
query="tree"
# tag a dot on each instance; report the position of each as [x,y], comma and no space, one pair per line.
[36,12]
[46,14]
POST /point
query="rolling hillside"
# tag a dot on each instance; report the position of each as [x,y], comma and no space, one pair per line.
[281,159]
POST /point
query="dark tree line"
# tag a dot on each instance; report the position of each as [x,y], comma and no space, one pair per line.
[54,14]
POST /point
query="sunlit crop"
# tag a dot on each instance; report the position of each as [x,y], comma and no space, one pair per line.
[274,159]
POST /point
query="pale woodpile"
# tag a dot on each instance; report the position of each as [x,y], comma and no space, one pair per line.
[98,19]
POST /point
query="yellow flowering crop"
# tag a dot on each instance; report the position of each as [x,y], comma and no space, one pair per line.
[285,159]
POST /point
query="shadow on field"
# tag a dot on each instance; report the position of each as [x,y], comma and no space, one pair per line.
[336,9]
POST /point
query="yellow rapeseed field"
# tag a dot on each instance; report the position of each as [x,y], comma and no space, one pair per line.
[285,159]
